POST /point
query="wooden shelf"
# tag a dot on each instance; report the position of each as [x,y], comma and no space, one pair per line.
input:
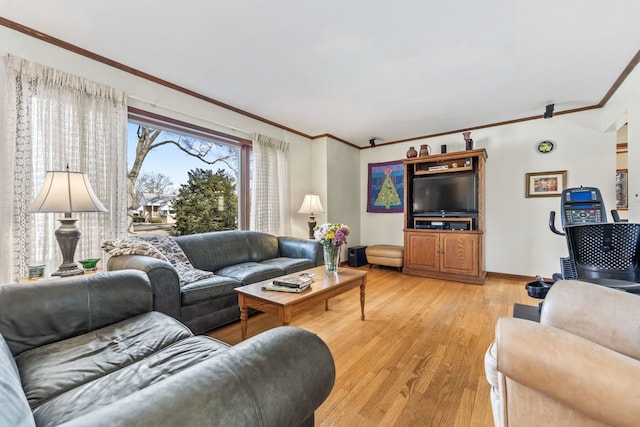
[433,246]
[444,170]
[446,221]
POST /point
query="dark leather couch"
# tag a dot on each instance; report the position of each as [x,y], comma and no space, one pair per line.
[236,257]
[88,351]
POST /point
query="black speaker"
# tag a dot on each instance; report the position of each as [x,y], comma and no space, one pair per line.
[357,256]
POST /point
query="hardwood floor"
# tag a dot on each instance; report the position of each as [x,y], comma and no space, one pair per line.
[417,359]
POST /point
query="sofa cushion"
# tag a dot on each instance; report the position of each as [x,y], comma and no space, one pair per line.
[262,246]
[15,408]
[212,251]
[121,383]
[56,368]
[205,289]
[251,272]
[216,250]
[290,265]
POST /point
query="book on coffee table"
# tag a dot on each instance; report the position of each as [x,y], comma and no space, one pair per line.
[273,287]
[294,280]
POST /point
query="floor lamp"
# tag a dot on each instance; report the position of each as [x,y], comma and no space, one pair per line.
[67,192]
[311,205]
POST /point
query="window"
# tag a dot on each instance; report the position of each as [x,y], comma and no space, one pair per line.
[184,179]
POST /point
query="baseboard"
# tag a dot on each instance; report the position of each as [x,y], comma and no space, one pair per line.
[514,277]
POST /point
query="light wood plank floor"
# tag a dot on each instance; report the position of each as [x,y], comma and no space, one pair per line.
[417,359]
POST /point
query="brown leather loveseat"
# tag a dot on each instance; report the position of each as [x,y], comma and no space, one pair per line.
[580,366]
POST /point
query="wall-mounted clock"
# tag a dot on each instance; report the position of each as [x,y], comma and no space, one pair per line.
[545,147]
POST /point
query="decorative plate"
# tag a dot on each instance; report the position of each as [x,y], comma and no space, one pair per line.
[545,147]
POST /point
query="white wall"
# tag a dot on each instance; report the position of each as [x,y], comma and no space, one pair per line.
[335,168]
[517,233]
[343,189]
[319,174]
[379,228]
[518,239]
[624,107]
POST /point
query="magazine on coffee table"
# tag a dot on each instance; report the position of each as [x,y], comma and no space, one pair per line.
[271,286]
[294,280]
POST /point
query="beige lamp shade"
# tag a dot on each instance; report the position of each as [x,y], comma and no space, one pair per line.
[67,192]
[311,204]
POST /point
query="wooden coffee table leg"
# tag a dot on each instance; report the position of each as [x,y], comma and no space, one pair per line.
[326,305]
[362,287]
[244,315]
[285,314]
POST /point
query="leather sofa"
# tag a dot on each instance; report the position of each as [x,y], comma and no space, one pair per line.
[89,351]
[236,257]
[580,366]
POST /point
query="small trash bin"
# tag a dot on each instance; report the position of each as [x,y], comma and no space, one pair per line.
[538,288]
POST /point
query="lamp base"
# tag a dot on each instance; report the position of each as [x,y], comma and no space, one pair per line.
[68,235]
[312,224]
[68,272]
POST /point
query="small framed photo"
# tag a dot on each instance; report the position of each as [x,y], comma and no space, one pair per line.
[622,196]
[545,184]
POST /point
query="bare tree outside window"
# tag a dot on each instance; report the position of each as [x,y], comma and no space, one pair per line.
[150,182]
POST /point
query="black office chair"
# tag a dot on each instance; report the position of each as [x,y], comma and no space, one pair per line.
[607,254]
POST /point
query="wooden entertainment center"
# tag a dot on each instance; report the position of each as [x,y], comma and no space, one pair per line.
[447,243]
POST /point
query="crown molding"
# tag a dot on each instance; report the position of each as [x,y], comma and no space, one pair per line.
[104,60]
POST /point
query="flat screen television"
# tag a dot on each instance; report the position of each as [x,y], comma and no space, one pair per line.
[445,194]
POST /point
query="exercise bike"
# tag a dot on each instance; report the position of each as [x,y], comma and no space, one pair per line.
[582,205]
[599,252]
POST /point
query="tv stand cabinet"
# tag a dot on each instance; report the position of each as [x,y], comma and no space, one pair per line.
[445,247]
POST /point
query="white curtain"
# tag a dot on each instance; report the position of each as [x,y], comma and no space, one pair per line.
[270,211]
[53,119]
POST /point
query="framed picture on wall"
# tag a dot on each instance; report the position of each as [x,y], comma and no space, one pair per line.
[545,184]
[385,187]
[622,190]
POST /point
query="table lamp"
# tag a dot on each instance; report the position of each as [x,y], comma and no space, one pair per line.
[67,192]
[310,205]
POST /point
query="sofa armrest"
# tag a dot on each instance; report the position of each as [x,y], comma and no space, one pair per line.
[165,282]
[565,377]
[606,316]
[52,310]
[294,247]
[277,378]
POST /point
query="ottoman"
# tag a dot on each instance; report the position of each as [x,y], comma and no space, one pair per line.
[387,255]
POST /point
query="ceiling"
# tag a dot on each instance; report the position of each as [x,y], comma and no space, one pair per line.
[361,69]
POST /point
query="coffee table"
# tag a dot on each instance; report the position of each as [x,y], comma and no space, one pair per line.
[284,304]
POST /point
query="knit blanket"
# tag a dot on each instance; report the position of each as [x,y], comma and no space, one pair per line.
[161,247]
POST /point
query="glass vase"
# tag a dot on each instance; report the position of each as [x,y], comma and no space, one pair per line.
[331,257]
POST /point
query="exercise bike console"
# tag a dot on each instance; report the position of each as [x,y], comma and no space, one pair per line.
[582,205]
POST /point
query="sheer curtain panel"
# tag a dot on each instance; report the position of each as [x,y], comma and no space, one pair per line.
[53,119]
[270,211]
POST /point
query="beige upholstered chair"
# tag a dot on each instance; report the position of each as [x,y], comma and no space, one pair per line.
[580,366]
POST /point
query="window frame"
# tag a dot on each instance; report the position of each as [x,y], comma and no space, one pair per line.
[245,146]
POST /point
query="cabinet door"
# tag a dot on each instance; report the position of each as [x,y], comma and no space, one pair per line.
[422,251]
[459,253]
